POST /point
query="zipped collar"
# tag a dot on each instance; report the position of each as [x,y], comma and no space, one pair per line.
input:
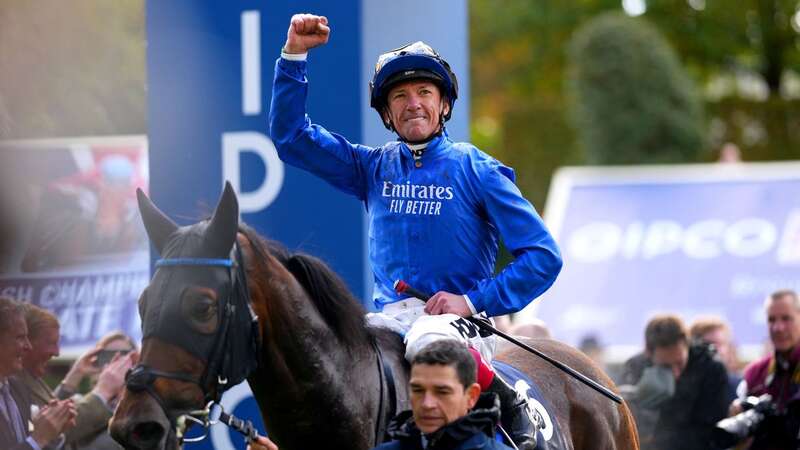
[481,419]
[417,150]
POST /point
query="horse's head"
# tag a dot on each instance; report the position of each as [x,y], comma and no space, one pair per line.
[200,335]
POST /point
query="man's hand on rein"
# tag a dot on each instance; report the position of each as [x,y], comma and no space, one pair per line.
[444,302]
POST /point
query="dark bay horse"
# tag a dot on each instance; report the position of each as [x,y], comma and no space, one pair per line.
[317,373]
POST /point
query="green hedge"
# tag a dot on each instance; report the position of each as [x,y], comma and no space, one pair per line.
[632,102]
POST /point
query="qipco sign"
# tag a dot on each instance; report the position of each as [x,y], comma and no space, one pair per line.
[690,240]
[749,237]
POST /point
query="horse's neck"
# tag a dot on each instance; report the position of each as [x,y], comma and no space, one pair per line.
[308,385]
[330,398]
[299,346]
[315,387]
[295,335]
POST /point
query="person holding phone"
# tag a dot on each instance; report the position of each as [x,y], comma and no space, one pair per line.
[92,363]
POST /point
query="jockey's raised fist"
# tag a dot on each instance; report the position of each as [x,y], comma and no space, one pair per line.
[306,31]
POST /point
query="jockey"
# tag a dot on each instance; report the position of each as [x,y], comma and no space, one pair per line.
[437,209]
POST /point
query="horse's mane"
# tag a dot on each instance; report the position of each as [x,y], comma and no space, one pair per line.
[328,292]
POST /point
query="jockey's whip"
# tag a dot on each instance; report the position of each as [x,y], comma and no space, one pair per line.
[401,287]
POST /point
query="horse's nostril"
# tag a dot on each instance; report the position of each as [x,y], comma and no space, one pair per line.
[147,433]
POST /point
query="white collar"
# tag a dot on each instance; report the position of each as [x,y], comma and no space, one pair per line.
[421,146]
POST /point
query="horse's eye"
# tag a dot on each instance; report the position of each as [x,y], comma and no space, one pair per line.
[204,309]
[199,309]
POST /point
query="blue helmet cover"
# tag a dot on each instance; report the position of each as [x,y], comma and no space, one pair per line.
[413,61]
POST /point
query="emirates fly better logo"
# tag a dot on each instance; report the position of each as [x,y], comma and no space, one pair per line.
[416,199]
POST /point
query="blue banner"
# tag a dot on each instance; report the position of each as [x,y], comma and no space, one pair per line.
[210,70]
[694,241]
[88,306]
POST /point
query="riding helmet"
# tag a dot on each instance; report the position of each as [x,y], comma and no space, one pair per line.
[411,62]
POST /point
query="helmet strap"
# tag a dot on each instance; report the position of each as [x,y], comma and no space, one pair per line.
[386,117]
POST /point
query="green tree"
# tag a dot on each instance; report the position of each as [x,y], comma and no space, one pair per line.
[718,37]
[517,62]
[518,73]
[633,103]
[746,55]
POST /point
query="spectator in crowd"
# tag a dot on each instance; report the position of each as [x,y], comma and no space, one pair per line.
[534,328]
[92,363]
[109,353]
[590,346]
[531,329]
[680,393]
[15,405]
[447,408]
[94,409]
[777,375]
[645,386]
[730,153]
[715,331]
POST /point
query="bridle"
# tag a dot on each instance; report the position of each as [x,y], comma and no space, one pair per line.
[213,382]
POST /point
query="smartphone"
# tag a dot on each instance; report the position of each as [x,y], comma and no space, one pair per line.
[105,356]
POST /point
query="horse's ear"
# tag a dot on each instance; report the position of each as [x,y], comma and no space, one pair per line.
[159,227]
[224,223]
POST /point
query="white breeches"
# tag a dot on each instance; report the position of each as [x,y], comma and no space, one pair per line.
[418,329]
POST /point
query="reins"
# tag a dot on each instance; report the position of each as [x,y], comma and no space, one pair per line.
[402,287]
[385,376]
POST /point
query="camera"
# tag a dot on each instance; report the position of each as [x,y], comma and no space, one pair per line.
[105,356]
[732,430]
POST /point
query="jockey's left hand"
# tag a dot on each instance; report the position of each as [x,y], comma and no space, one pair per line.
[444,302]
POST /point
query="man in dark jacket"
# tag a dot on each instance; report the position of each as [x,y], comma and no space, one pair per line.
[447,408]
[687,418]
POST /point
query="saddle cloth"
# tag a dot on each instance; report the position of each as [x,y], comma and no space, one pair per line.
[550,430]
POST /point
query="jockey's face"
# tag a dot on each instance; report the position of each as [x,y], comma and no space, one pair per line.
[783,320]
[673,357]
[414,109]
[438,397]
